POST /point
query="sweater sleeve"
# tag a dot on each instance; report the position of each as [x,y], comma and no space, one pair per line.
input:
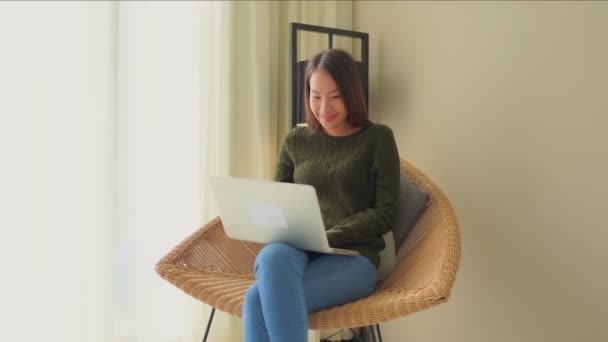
[382,216]
[283,171]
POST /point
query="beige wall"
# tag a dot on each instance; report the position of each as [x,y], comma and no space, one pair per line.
[505,105]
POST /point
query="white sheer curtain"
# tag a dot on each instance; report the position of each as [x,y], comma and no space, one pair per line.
[56,178]
[163,138]
[113,114]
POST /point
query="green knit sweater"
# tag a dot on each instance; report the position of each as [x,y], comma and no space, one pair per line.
[356,178]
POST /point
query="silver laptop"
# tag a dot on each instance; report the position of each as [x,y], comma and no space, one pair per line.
[265,211]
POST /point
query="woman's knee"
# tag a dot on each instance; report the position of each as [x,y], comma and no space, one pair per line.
[277,256]
[252,297]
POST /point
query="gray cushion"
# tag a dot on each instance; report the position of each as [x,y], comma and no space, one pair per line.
[412,202]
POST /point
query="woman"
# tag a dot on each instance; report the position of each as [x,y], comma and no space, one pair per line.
[354,166]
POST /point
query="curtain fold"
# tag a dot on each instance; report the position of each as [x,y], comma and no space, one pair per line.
[115,114]
[179,83]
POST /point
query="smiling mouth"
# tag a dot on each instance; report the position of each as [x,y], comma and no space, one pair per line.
[328,117]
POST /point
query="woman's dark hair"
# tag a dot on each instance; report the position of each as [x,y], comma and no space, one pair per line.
[343,69]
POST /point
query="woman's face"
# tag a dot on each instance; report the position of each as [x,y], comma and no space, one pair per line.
[327,104]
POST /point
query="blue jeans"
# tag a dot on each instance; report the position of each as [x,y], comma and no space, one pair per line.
[290,283]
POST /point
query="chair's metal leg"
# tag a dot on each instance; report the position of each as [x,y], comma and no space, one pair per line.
[367,333]
[209,325]
[368,337]
[379,335]
[362,334]
[359,334]
[371,329]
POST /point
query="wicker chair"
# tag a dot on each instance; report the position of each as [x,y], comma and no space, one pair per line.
[218,270]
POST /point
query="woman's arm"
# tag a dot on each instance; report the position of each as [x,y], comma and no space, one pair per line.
[382,216]
[283,171]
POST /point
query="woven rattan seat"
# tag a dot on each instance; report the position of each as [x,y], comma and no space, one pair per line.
[218,270]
